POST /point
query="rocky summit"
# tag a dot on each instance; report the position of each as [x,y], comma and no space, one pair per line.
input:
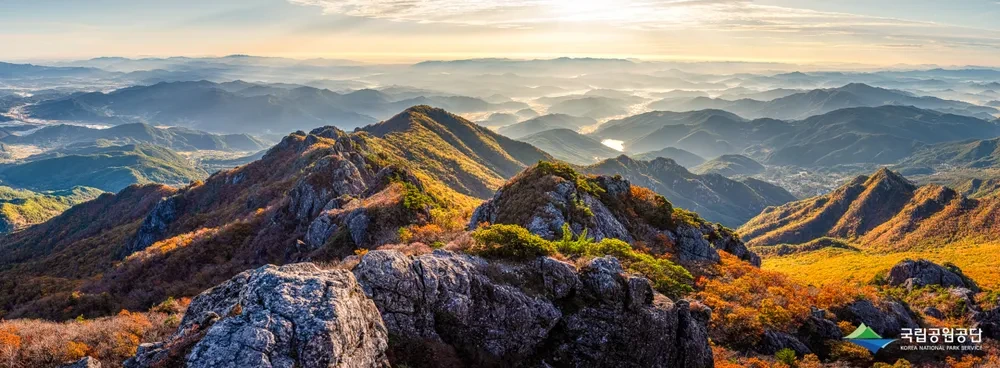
[440,309]
[548,196]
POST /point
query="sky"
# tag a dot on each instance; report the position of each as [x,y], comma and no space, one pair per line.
[871,32]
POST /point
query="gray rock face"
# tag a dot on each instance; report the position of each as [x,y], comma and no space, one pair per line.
[290,316]
[887,319]
[774,341]
[692,243]
[816,331]
[86,362]
[989,322]
[319,231]
[922,273]
[933,312]
[540,312]
[357,223]
[154,226]
[692,246]
[330,177]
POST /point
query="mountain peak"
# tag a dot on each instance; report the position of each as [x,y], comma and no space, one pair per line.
[891,179]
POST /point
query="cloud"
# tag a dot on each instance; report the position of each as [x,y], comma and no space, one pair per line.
[735,19]
[517,13]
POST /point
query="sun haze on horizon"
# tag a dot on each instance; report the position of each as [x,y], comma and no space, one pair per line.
[850,32]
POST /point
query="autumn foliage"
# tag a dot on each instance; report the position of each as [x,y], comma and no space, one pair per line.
[37,343]
[746,301]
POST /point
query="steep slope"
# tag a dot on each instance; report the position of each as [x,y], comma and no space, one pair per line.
[466,156]
[883,212]
[317,196]
[179,139]
[543,123]
[713,196]
[730,165]
[681,157]
[570,146]
[106,168]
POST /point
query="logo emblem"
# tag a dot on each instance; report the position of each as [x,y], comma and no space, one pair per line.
[867,338]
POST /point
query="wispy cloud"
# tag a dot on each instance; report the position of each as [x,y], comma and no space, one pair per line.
[721,16]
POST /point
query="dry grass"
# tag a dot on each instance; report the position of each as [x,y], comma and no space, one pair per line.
[109,339]
[841,266]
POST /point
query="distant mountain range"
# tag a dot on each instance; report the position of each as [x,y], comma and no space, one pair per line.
[715,197]
[730,165]
[21,71]
[681,157]
[178,139]
[107,168]
[545,122]
[594,107]
[570,146]
[880,135]
[820,101]
[243,107]
[638,126]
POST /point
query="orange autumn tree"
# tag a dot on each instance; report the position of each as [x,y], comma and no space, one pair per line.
[10,343]
[746,301]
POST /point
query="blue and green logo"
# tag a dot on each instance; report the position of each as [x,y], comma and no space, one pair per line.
[867,338]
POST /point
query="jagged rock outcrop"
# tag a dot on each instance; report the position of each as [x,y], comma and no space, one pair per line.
[291,316]
[920,273]
[542,312]
[887,319]
[989,322]
[932,312]
[154,227]
[774,341]
[86,362]
[329,178]
[816,331]
[548,196]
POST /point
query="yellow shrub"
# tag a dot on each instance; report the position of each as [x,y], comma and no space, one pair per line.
[76,350]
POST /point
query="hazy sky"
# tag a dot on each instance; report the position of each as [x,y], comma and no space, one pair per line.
[880,32]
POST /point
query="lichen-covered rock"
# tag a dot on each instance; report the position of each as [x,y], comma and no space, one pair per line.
[290,316]
[922,273]
[541,312]
[329,178]
[86,362]
[887,319]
